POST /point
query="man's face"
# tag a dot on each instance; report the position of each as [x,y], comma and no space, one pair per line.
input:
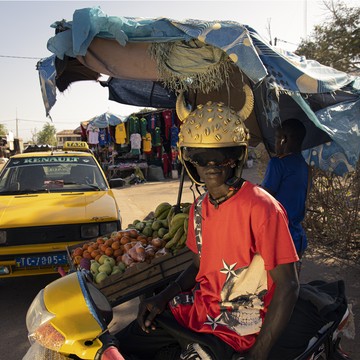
[214,166]
[214,175]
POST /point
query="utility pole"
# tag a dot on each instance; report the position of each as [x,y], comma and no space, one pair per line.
[269,30]
[305,19]
[17,125]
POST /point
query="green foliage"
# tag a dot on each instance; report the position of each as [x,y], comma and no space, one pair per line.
[336,42]
[47,136]
[3,129]
[332,219]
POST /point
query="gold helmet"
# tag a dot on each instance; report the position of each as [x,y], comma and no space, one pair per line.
[214,126]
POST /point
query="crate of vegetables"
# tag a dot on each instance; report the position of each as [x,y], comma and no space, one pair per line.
[126,263]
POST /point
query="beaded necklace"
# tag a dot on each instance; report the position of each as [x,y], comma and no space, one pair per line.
[232,191]
[220,200]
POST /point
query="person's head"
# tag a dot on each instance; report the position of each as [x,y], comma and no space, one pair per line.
[289,136]
[213,142]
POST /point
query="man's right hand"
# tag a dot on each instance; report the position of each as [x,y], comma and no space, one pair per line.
[149,309]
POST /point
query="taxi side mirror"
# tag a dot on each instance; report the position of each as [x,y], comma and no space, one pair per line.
[115,183]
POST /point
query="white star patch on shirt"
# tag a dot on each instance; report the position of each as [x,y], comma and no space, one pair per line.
[214,322]
[228,270]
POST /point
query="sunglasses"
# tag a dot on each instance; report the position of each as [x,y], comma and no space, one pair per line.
[210,157]
[203,163]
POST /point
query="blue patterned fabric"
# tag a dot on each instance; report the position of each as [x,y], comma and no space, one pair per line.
[47,74]
[277,71]
[245,47]
[329,157]
[106,119]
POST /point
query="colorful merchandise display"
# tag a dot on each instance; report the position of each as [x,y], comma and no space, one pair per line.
[140,140]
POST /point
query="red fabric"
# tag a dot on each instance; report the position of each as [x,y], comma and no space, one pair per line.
[167,116]
[245,237]
[158,151]
[166,164]
[174,155]
[83,132]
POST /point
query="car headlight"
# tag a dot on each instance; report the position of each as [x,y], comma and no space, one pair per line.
[39,326]
[107,228]
[89,231]
[2,237]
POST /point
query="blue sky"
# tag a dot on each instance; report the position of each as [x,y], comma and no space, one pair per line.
[25,30]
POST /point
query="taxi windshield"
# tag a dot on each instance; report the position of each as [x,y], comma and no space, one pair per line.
[51,174]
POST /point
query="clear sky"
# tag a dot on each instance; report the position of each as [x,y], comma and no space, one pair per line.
[25,30]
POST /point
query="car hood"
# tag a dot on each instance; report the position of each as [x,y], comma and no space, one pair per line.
[55,209]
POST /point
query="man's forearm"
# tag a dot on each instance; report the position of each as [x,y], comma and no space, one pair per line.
[185,281]
[276,319]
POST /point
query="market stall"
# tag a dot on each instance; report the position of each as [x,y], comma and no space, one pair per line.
[210,61]
[219,61]
[125,145]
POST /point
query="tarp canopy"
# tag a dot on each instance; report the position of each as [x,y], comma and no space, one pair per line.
[149,61]
[104,120]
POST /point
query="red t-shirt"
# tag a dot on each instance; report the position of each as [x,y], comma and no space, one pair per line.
[242,240]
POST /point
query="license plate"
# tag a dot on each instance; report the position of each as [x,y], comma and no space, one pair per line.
[50,259]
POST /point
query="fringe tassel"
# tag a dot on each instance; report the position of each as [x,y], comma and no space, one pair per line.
[211,79]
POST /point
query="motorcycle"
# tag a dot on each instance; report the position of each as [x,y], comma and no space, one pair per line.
[69,319]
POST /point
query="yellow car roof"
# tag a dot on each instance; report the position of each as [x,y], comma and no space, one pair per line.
[52,153]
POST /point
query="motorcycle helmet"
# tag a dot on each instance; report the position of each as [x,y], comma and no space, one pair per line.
[214,132]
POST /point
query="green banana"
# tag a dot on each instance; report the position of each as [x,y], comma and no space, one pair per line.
[167,236]
[165,223]
[161,208]
[181,243]
[162,231]
[156,225]
[175,239]
[186,223]
[172,231]
[164,214]
[170,215]
[174,228]
[178,218]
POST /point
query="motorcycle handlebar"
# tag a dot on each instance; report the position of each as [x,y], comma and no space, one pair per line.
[111,353]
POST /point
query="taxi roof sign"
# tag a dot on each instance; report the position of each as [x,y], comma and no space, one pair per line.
[76,146]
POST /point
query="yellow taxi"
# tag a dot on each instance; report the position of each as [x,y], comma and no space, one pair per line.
[50,200]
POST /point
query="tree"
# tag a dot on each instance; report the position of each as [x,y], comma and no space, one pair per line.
[336,42]
[3,130]
[47,135]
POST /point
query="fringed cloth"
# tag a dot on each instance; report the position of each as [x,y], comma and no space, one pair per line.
[183,64]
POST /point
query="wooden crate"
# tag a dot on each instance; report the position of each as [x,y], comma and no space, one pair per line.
[141,278]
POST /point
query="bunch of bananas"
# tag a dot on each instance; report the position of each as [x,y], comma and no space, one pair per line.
[177,219]
[168,223]
[178,225]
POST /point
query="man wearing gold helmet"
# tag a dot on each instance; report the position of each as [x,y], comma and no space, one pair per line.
[238,295]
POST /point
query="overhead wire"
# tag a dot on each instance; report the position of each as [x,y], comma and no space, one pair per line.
[20,57]
[41,121]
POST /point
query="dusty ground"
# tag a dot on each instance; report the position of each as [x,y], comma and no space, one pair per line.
[138,200]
